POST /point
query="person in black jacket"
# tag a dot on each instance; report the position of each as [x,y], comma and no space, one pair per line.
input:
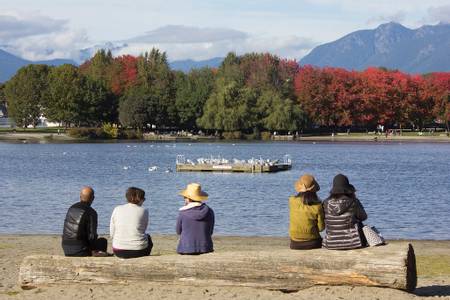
[344,214]
[80,228]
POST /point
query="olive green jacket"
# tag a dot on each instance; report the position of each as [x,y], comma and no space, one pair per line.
[305,221]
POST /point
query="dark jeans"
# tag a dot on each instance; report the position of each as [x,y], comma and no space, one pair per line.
[74,249]
[135,253]
[306,245]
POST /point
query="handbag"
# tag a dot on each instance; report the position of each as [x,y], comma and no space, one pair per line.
[373,236]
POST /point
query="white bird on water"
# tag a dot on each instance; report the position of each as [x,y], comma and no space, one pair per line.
[152,168]
[126,167]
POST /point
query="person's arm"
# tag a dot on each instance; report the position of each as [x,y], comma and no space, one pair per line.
[178,227]
[145,220]
[92,227]
[360,213]
[212,221]
[321,219]
[112,225]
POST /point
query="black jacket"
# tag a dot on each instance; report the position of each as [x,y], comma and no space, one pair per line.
[80,227]
[343,217]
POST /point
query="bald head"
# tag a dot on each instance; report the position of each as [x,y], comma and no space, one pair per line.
[87,194]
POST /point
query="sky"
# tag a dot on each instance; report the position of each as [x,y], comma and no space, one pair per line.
[194,29]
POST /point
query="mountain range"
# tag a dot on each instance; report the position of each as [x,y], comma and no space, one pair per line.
[9,64]
[391,45]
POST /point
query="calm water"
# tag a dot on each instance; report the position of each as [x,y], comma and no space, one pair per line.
[405,188]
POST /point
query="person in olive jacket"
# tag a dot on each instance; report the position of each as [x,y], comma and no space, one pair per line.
[344,214]
[80,228]
[195,222]
[306,217]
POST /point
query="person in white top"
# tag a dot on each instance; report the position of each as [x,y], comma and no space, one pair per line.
[128,225]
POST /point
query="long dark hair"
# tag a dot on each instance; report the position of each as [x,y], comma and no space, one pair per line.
[341,195]
[309,198]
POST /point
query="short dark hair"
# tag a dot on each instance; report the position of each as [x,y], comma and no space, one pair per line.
[309,197]
[135,195]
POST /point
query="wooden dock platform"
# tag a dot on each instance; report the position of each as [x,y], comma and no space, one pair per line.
[221,165]
[243,168]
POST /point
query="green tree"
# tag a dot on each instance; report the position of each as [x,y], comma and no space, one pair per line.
[133,108]
[278,114]
[192,91]
[229,108]
[2,98]
[156,78]
[98,105]
[25,94]
[99,68]
[74,99]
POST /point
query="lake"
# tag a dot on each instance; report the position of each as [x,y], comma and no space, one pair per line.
[404,187]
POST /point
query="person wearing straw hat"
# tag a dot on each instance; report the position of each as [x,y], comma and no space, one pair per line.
[306,217]
[195,222]
[344,214]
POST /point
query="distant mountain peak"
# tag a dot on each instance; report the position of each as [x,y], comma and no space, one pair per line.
[390,45]
[9,64]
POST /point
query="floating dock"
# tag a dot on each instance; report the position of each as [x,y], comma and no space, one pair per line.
[241,166]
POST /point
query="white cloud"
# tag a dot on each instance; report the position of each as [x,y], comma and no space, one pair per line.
[398,17]
[203,43]
[15,26]
[188,34]
[439,14]
[36,37]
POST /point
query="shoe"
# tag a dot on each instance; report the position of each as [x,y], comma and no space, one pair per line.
[101,254]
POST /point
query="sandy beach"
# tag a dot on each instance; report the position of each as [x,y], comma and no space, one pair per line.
[433,264]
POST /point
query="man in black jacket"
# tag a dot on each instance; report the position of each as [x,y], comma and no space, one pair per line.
[80,228]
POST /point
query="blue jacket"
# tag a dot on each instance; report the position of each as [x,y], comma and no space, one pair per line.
[195,225]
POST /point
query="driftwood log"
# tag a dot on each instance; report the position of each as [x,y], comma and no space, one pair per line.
[391,266]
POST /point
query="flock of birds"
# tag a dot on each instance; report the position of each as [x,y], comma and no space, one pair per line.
[151,169]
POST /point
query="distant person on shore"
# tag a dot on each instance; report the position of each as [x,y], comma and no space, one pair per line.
[306,217]
[195,222]
[128,225]
[343,217]
[80,228]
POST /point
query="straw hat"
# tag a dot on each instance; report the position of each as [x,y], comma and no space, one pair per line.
[306,183]
[194,192]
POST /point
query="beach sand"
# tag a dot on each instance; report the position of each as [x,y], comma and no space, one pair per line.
[433,263]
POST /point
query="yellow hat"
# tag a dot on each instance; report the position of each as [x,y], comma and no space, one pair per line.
[194,192]
[306,183]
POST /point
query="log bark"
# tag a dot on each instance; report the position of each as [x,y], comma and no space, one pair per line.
[391,266]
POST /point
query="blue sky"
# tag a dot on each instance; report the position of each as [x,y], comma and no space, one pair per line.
[45,29]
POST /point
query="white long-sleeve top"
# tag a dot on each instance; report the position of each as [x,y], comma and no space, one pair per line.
[127,227]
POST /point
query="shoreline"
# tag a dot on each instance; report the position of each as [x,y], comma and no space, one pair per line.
[38,137]
[433,266]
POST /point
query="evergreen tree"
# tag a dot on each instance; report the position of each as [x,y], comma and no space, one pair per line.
[192,91]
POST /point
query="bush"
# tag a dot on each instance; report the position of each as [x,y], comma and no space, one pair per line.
[88,133]
[130,134]
[266,135]
[232,135]
[110,130]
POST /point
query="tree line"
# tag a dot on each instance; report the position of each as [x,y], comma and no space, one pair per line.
[251,93]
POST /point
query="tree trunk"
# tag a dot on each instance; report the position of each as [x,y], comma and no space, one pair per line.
[390,266]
